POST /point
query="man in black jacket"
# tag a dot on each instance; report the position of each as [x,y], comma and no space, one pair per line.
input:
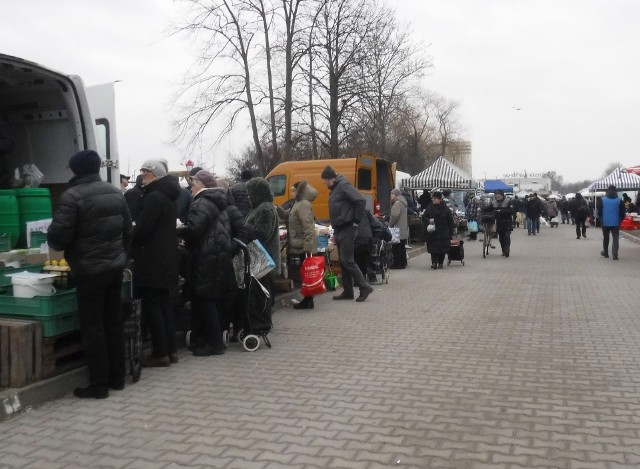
[92,226]
[239,193]
[346,210]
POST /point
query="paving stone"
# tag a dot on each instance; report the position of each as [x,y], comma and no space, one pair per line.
[501,364]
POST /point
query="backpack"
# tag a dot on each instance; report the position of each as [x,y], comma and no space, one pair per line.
[583,211]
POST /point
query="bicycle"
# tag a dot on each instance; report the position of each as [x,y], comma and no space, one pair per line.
[487,225]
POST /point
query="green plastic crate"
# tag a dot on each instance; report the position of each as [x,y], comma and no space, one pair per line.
[5,242]
[62,302]
[53,325]
[5,281]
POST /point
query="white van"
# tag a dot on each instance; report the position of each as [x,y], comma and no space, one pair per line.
[50,118]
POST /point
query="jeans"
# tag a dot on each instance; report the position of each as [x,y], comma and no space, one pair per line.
[101,326]
[350,271]
[615,234]
[531,226]
[158,313]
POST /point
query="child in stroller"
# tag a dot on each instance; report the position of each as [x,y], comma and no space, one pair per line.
[379,262]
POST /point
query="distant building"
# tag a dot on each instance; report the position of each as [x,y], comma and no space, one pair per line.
[541,185]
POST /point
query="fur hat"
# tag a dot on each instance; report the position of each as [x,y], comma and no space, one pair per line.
[328,173]
[245,175]
[159,167]
[85,162]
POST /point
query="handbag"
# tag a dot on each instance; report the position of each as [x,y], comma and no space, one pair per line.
[395,234]
[331,280]
[472,225]
[312,274]
[260,262]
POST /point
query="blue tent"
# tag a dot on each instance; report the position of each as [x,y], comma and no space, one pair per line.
[492,185]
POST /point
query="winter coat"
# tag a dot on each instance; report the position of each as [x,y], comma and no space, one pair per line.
[241,197]
[155,244]
[346,204]
[236,218]
[302,225]
[579,209]
[533,208]
[611,209]
[207,233]
[552,209]
[262,221]
[398,217]
[134,200]
[183,203]
[471,210]
[364,236]
[92,226]
[503,211]
[439,241]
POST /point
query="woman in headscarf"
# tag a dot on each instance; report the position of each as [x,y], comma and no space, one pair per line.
[302,231]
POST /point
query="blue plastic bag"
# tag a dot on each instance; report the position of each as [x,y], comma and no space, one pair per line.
[472,226]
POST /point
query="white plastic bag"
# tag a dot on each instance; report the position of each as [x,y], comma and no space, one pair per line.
[31,175]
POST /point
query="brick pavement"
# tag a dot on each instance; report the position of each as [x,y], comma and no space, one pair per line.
[526,362]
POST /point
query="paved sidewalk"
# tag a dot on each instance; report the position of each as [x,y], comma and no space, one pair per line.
[531,361]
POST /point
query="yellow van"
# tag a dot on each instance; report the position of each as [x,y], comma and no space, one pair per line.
[373,177]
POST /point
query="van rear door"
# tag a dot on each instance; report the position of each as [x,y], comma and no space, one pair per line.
[366,179]
[384,183]
[102,102]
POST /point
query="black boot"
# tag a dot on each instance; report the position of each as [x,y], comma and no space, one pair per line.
[306,303]
[434,266]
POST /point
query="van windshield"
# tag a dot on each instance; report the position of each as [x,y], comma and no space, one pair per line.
[278,185]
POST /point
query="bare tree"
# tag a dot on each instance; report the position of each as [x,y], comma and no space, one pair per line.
[446,114]
[391,65]
[266,18]
[340,31]
[612,166]
[226,34]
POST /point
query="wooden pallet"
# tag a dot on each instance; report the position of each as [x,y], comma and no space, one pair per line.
[61,353]
[20,352]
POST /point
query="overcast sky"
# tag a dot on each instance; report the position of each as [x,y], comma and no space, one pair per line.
[571,66]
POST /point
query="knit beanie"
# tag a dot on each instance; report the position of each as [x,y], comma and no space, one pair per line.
[85,162]
[195,171]
[206,178]
[500,192]
[328,173]
[159,167]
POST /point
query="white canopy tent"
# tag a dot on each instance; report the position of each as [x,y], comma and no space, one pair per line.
[442,174]
[621,179]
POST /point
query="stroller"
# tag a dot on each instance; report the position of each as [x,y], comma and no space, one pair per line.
[456,251]
[379,261]
[131,314]
[256,305]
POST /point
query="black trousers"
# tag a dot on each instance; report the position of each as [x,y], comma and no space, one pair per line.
[437,258]
[399,251]
[504,236]
[157,310]
[581,227]
[361,255]
[101,326]
[207,320]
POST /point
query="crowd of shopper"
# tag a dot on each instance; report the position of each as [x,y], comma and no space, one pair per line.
[168,230]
